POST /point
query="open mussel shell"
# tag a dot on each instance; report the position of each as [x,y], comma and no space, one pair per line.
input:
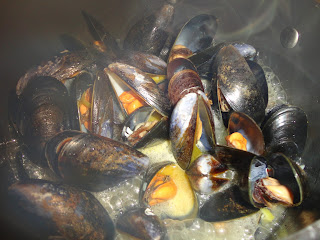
[197,34]
[286,130]
[142,85]
[205,174]
[183,79]
[93,94]
[94,162]
[81,86]
[240,122]
[237,85]
[150,33]
[44,111]
[226,205]
[191,128]
[167,191]
[53,209]
[141,223]
[145,127]
[281,168]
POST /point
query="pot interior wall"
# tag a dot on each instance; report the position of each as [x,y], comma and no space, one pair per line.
[30,34]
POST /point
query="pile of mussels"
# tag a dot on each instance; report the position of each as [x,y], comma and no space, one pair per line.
[84,114]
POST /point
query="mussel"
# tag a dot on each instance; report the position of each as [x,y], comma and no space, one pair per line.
[93,93]
[205,174]
[53,209]
[168,192]
[93,162]
[44,110]
[62,67]
[141,84]
[150,33]
[197,34]
[237,87]
[141,223]
[275,180]
[285,130]
[191,128]
[145,126]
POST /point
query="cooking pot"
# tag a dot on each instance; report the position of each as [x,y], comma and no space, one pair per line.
[30,33]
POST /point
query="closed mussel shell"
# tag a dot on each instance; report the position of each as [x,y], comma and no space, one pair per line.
[167,191]
[95,163]
[150,33]
[226,205]
[44,111]
[54,145]
[238,85]
[102,121]
[286,130]
[141,223]
[49,209]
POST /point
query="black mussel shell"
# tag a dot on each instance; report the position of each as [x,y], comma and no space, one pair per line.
[44,111]
[246,50]
[281,168]
[135,124]
[226,205]
[204,59]
[61,67]
[147,63]
[142,224]
[286,131]
[53,148]
[94,162]
[143,86]
[289,174]
[258,72]
[197,34]
[102,121]
[150,33]
[240,122]
[99,33]
[47,209]
[238,85]
[234,158]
